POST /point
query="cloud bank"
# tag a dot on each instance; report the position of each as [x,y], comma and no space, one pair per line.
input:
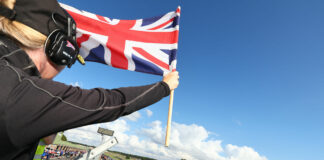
[133,117]
[191,142]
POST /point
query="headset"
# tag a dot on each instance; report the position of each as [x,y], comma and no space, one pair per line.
[60,45]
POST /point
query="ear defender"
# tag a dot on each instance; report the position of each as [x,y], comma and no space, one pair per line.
[60,49]
[60,46]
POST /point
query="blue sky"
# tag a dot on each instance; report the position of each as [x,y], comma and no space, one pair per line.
[251,73]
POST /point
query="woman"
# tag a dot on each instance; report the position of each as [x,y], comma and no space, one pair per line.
[32,105]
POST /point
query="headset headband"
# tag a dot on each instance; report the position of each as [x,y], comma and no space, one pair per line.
[8,13]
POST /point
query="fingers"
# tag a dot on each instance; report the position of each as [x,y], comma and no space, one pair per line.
[176,74]
[172,79]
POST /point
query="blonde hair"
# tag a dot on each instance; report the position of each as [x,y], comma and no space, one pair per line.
[26,36]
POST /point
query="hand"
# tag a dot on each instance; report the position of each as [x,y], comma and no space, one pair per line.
[172,79]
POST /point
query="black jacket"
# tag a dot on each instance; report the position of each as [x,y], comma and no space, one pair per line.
[32,107]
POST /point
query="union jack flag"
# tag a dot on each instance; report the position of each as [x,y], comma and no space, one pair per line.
[143,45]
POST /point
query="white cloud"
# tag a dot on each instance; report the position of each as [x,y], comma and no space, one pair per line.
[77,84]
[87,135]
[133,117]
[187,141]
[191,142]
[242,153]
[149,113]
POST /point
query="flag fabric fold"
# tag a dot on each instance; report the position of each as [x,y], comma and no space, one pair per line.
[143,45]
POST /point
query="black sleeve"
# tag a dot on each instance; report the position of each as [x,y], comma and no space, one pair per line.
[39,107]
[135,102]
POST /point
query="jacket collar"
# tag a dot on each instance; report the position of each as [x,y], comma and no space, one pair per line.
[17,57]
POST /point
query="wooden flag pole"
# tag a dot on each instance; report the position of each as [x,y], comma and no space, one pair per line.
[167,137]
